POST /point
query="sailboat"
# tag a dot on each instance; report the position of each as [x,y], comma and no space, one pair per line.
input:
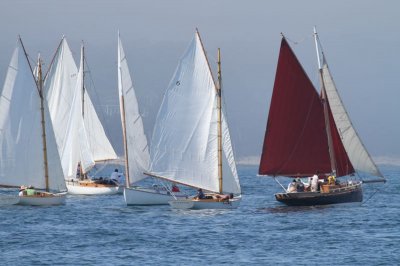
[135,143]
[29,155]
[191,142]
[311,134]
[82,142]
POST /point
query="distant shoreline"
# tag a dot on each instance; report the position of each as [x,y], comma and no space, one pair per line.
[255,160]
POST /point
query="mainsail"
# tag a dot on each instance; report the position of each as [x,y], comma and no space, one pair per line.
[184,142]
[296,141]
[21,159]
[136,148]
[60,83]
[76,147]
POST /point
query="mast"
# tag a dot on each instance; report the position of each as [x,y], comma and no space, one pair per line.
[122,101]
[82,61]
[41,95]
[83,78]
[127,179]
[218,88]
[39,85]
[326,109]
[219,109]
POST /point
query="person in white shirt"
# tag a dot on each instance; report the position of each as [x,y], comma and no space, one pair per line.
[314,183]
[292,187]
[114,175]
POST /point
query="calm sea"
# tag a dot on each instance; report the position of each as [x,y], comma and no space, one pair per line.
[103,231]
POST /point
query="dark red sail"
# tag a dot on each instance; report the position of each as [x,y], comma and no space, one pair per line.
[343,164]
[295,139]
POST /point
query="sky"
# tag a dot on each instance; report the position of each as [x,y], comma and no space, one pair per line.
[360,38]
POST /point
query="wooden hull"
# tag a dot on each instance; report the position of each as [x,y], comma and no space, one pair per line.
[91,188]
[148,196]
[197,204]
[47,200]
[346,194]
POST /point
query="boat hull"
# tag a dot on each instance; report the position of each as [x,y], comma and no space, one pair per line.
[48,200]
[344,195]
[148,196]
[76,188]
[197,204]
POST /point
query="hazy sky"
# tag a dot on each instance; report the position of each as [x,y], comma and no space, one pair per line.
[360,38]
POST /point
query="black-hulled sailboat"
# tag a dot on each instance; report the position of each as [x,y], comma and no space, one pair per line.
[309,133]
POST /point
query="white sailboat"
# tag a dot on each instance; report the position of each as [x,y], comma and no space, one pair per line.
[135,143]
[191,143]
[29,155]
[82,140]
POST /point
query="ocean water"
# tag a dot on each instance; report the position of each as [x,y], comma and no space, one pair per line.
[104,231]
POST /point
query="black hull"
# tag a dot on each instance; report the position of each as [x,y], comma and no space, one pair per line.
[354,194]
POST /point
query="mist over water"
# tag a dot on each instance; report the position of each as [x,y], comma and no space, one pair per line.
[104,231]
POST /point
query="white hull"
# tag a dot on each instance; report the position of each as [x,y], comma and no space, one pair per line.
[75,188]
[205,204]
[148,196]
[52,199]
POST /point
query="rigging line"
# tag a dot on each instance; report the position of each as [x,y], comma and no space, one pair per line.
[376,190]
[373,194]
[97,98]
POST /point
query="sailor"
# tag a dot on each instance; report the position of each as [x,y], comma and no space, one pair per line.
[331,180]
[30,191]
[200,194]
[22,190]
[292,187]
[314,182]
[175,188]
[114,175]
[121,178]
[300,185]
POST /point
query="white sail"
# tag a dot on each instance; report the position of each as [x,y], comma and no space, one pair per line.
[60,84]
[184,141]
[136,141]
[99,143]
[76,148]
[230,176]
[21,159]
[355,149]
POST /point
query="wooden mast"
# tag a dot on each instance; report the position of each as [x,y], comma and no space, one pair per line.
[219,109]
[326,109]
[122,101]
[127,177]
[41,95]
[83,78]
[39,84]
[218,89]
[82,61]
